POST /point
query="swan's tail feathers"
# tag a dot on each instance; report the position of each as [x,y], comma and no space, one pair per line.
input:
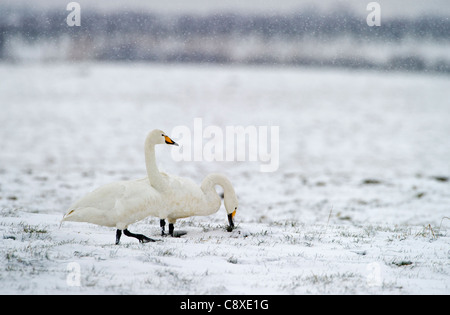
[68,214]
[66,217]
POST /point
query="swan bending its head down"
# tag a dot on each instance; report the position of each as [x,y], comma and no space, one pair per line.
[229,195]
[184,199]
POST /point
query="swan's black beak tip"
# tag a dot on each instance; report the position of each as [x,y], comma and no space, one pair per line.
[170,141]
[230,227]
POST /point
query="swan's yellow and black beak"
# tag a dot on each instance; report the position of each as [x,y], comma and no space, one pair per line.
[230,221]
[170,141]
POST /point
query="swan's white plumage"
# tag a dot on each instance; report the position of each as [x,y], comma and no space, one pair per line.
[184,199]
[120,204]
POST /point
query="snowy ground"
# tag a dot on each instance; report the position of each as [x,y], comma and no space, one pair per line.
[359,205]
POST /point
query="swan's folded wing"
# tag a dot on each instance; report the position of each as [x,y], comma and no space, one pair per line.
[137,193]
[98,206]
[104,197]
[110,196]
[139,201]
[116,204]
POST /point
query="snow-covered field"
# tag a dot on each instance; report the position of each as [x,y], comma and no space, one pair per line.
[359,205]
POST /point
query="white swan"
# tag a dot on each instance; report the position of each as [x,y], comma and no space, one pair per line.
[120,204]
[185,199]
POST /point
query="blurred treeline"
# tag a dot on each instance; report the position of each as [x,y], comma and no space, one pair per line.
[308,38]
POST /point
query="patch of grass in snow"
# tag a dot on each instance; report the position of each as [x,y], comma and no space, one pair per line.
[325,279]
[165,252]
[323,283]
[404,232]
[232,260]
[402,263]
[33,229]
[30,261]
[91,277]
[173,278]
[150,258]
[9,212]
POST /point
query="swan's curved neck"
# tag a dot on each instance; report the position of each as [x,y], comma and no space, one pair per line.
[154,176]
[217,179]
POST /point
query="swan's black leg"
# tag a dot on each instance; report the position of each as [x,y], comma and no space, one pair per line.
[118,235]
[171,229]
[162,224]
[175,233]
[140,237]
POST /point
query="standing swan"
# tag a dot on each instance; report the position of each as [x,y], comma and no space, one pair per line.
[122,203]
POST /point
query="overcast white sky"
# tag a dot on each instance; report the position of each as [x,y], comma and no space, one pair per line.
[389,8]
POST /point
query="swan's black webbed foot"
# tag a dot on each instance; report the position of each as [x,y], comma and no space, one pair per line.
[178,233]
[172,233]
[145,239]
[175,233]
[140,237]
